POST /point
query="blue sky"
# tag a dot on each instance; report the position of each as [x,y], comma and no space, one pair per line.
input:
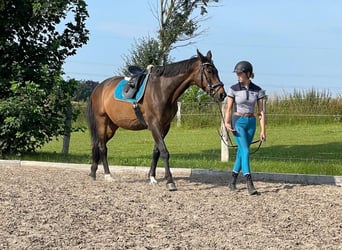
[291,44]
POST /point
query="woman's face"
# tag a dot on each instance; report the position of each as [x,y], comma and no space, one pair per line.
[242,77]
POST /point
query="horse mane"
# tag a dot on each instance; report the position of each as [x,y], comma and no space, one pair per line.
[174,69]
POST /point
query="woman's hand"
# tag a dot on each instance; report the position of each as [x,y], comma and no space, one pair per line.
[262,136]
[229,126]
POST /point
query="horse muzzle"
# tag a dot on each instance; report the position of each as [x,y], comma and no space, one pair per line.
[217,92]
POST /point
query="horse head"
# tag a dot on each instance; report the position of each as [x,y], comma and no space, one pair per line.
[209,79]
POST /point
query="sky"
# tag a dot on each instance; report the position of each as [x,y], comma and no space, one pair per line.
[292,44]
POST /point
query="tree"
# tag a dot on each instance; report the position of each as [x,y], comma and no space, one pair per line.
[178,26]
[144,52]
[36,36]
[84,90]
[195,95]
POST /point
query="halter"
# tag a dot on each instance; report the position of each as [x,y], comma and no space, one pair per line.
[212,86]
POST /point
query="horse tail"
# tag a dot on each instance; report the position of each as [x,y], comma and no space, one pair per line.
[93,131]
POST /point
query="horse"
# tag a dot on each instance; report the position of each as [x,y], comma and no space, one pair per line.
[154,111]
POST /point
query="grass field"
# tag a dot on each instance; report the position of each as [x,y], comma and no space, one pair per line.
[302,149]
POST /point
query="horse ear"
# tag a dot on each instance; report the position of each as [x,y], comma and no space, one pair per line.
[200,56]
[209,55]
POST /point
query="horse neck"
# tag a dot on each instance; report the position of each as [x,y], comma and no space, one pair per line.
[180,83]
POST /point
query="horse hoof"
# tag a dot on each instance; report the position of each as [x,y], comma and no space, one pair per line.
[108,178]
[171,186]
[153,180]
[92,176]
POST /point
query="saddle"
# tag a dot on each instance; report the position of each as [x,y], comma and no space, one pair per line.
[137,76]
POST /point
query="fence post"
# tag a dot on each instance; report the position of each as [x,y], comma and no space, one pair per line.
[264,106]
[179,121]
[224,137]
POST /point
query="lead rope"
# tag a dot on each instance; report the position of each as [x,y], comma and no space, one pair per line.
[229,139]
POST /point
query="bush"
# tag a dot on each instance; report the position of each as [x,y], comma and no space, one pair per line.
[30,117]
[309,107]
[23,120]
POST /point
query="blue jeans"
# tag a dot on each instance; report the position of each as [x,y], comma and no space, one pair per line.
[243,136]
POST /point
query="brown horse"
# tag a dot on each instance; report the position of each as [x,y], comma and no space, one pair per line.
[155,111]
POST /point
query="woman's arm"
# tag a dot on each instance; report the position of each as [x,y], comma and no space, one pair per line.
[228,114]
[262,117]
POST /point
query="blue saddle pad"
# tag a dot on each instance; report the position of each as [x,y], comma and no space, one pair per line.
[119,90]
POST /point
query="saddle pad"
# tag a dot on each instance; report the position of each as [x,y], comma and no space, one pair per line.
[119,90]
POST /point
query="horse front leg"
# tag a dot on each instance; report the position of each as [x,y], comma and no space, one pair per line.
[164,154]
[160,150]
[155,158]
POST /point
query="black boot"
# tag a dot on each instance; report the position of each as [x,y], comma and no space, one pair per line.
[232,185]
[250,187]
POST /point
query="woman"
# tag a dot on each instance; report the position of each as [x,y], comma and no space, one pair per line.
[241,121]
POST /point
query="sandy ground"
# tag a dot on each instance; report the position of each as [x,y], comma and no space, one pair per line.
[54,208]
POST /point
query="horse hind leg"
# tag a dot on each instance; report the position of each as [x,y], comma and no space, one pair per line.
[94,140]
[101,134]
[95,160]
[108,133]
[107,174]
[99,152]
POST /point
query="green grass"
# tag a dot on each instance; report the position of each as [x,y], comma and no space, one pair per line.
[301,149]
